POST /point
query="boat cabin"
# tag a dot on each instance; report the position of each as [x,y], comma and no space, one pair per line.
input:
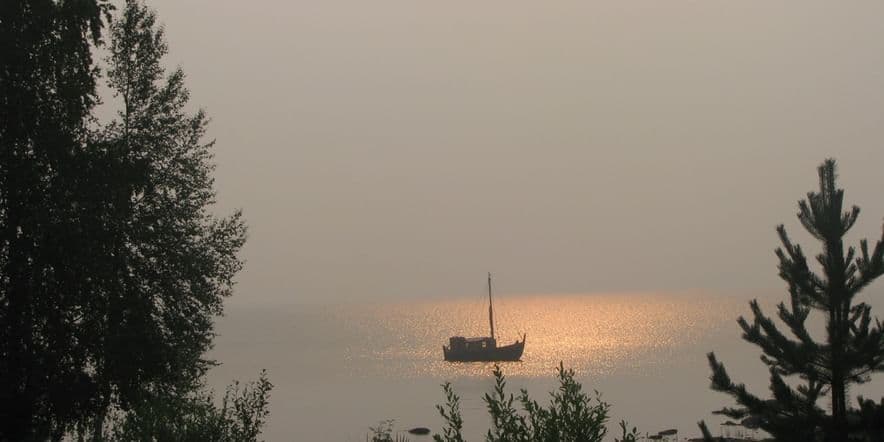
[463,349]
[460,343]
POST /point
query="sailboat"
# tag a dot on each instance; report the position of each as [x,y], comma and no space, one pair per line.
[461,349]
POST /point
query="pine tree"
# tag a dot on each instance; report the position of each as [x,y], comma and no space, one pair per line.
[853,348]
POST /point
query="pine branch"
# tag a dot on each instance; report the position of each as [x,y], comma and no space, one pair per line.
[787,356]
[794,270]
[722,382]
[795,321]
[869,266]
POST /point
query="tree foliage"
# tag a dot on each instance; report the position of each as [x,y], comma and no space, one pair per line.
[53,221]
[195,417]
[570,416]
[176,260]
[853,348]
[453,430]
[113,265]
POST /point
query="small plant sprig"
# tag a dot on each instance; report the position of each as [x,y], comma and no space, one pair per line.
[451,415]
[383,432]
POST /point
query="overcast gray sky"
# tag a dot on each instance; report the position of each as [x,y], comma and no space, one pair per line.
[403,148]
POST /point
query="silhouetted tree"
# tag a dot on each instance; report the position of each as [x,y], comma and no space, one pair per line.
[175,261]
[571,415]
[853,348]
[51,221]
[194,417]
[112,264]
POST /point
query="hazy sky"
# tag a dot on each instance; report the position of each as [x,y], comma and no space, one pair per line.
[404,148]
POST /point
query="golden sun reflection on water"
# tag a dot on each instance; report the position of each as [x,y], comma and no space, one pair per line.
[593,334]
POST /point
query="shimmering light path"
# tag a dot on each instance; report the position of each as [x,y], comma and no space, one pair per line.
[593,334]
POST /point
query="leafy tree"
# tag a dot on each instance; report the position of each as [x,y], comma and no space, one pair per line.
[52,224]
[175,261]
[853,348]
[195,417]
[571,415]
[112,265]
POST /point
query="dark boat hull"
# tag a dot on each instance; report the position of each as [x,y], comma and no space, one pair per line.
[512,352]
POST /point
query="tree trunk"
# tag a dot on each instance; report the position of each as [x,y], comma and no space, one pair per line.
[98,424]
[839,404]
[839,412]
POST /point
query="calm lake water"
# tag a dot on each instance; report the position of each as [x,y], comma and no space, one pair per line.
[339,369]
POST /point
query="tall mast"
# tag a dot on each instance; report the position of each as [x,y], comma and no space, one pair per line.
[490,307]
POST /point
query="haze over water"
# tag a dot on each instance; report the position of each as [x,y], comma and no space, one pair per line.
[340,368]
[386,153]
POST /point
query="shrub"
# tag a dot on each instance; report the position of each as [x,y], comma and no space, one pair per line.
[571,416]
